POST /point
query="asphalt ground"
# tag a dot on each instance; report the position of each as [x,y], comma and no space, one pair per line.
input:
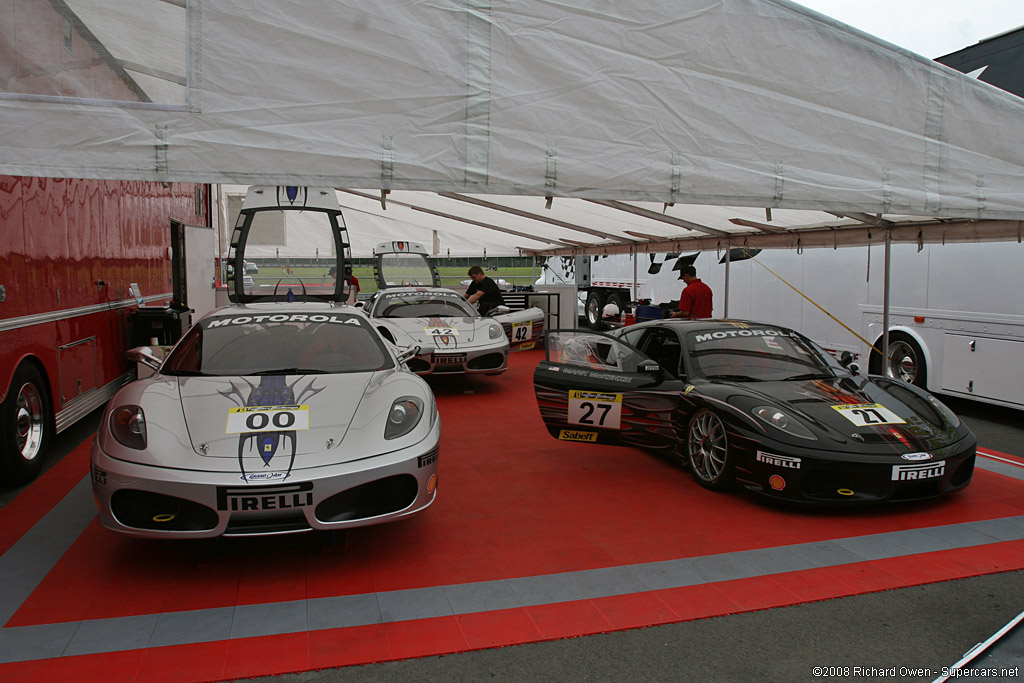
[902,634]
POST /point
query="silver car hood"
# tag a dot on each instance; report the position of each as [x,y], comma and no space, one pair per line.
[216,407]
[187,420]
[427,332]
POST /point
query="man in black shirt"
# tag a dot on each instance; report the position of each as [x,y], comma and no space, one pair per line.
[483,291]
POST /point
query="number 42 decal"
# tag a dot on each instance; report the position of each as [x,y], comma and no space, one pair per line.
[868,414]
[595,409]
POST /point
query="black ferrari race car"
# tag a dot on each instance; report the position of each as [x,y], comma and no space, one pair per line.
[755,404]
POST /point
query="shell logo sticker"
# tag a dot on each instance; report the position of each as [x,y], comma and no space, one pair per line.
[777,482]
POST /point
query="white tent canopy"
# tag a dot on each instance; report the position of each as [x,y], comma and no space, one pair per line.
[741,103]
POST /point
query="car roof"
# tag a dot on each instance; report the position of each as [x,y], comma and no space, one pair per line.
[426,289]
[709,324]
[286,307]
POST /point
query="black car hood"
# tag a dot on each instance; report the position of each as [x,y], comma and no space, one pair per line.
[815,402]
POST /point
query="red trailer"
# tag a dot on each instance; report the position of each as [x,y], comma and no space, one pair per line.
[69,251]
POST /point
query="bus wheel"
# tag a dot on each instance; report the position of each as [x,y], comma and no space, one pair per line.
[24,427]
[594,309]
[905,361]
[621,302]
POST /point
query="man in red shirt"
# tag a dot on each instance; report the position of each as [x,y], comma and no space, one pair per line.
[695,301]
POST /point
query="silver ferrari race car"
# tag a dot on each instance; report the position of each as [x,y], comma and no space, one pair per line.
[268,418]
[450,331]
[277,414]
[451,335]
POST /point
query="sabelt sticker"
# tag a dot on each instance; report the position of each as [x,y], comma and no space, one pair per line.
[577,435]
[869,414]
[595,409]
[526,346]
[248,419]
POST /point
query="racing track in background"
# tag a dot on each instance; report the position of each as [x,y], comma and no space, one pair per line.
[530,539]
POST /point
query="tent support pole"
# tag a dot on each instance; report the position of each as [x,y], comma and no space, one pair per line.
[728,253]
[885,301]
[632,254]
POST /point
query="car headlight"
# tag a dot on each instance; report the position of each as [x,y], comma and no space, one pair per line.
[128,426]
[403,417]
[950,416]
[495,331]
[783,422]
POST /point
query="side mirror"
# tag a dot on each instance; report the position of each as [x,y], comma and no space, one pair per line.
[649,367]
[409,353]
[500,310]
[144,355]
[846,360]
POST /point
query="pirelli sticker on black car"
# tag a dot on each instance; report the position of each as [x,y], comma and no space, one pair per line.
[785,461]
[249,419]
[595,409]
[869,414]
[929,470]
[577,435]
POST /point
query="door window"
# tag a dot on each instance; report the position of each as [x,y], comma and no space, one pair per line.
[593,350]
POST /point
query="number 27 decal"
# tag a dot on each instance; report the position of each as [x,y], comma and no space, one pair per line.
[595,409]
[868,414]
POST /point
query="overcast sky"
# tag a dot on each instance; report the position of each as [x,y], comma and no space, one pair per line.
[932,28]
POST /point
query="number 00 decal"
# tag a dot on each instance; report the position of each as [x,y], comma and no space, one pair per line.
[267,419]
[595,409]
[867,414]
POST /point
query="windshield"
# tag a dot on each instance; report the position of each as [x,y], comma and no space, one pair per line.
[287,343]
[755,354]
[423,305]
[397,270]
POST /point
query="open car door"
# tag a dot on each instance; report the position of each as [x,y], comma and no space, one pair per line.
[594,388]
[404,264]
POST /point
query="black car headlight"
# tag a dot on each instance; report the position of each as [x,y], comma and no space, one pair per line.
[782,421]
[403,417]
[494,331]
[128,426]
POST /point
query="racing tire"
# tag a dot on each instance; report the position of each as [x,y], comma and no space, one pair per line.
[905,362]
[707,451]
[25,423]
[594,309]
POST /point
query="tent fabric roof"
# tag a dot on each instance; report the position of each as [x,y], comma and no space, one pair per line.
[735,103]
[573,225]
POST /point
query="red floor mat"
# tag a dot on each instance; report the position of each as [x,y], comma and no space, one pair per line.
[513,502]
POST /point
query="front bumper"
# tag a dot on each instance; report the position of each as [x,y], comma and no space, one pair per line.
[490,361]
[155,502]
[829,477]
